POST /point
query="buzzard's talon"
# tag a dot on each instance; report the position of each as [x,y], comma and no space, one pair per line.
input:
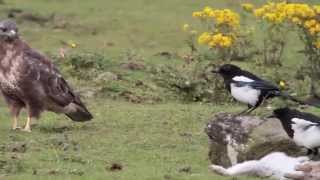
[26,130]
[27,127]
[16,128]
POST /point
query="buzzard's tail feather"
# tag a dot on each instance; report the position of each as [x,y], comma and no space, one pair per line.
[79,113]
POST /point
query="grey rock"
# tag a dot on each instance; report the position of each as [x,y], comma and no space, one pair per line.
[235,139]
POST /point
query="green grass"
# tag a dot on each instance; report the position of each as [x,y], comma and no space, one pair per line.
[149,141]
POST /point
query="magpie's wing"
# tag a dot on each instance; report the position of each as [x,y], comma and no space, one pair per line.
[250,75]
[263,85]
[308,117]
[257,84]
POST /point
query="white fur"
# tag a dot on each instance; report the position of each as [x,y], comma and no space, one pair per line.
[310,137]
[274,165]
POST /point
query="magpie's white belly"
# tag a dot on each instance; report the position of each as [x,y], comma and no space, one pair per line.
[245,94]
[309,138]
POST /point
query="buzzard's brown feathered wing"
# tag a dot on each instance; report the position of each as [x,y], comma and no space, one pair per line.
[59,95]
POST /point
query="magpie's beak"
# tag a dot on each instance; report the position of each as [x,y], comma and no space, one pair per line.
[271,116]
[214,71]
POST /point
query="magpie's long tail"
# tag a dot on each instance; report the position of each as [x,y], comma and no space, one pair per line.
[288,96]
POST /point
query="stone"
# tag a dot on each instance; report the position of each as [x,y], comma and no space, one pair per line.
[235,139]
[17,147]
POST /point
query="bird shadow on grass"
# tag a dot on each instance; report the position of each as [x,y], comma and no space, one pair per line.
[65,128]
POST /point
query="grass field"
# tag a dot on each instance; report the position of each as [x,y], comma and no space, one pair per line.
[163,140]
[149,141]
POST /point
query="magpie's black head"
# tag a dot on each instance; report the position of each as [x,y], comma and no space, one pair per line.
[285,115]
[228,71]
[280,112]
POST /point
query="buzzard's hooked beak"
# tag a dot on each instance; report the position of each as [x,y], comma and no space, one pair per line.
[12,33]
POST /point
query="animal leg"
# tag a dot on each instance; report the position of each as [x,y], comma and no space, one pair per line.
[15,111]
[245,168]
[252,109]
[15,123]
[265,97]
[244,112]
[248,111]
[27,127]
[219,170]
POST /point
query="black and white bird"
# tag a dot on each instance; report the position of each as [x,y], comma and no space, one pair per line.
[248,88]
[303,128]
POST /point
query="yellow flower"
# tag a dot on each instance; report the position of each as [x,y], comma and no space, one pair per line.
[247,7]
[317,9]
[296,20]
[185,27]
[197,14]
[317,44]
[193,32]
[282,84]
[317,27]
[307,24]
[312,31]
[270,17]
[204,38]
[258,12]
[290,12]
[72,44]
[220,17]
[226,41]
[212,44]
[207,10]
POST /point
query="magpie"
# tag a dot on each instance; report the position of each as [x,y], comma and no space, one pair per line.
[249,88]
[303,128]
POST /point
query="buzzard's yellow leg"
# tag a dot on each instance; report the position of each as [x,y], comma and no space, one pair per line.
[27,128]
[15,123]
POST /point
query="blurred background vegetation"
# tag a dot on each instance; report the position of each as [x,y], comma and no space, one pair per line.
[139,51]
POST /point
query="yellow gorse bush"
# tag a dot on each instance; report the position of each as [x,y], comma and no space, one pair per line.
[248,7]
[215,40]
[222,22]
[300,14]
[221,17]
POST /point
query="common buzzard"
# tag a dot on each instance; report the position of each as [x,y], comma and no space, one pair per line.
[30,80]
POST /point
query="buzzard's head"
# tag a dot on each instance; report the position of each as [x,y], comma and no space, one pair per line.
[8,30]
